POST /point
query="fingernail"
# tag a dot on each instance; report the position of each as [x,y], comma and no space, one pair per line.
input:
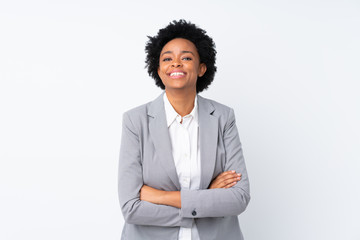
[233,171]
[239,174]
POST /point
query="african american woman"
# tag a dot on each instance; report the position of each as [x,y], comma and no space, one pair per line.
[182,173]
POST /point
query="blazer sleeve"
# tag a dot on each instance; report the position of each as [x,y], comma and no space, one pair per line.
[130,182]
[221,202]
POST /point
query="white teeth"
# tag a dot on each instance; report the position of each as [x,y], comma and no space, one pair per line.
[176,74]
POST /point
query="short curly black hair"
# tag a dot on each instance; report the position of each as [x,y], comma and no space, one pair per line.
[187,30]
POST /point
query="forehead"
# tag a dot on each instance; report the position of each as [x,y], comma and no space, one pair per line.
[179,44]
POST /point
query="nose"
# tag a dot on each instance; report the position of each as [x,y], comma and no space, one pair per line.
[176,63]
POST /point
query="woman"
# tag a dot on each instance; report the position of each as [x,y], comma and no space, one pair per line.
[182,173]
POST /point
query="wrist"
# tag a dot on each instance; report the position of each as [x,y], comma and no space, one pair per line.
[162,196]
[171,198]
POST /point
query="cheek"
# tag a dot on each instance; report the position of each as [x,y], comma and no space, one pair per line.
[194,67]
[162,68]
[162,73]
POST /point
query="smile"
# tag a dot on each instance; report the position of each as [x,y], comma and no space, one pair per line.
[176,74]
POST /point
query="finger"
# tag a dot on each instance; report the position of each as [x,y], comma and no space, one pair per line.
[218,182]
[228,177]
[220,177]
[222,184]
[230,185]
[228,181]
[226,173]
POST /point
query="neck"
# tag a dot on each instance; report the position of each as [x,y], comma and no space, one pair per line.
[183,103]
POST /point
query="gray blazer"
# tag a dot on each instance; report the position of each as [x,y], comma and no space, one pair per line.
[146,158]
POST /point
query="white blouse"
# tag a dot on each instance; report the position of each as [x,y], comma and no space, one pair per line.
[186,153]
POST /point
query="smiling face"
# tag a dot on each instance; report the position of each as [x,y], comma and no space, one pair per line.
[179,65]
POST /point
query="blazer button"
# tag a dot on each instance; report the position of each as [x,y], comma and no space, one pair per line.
[193,213]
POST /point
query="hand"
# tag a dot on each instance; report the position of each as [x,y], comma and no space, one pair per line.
[150,194]
[225,180]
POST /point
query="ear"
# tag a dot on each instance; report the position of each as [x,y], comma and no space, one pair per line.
[202,69]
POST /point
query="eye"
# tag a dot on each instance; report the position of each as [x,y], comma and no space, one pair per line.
[166,59]
[187,58]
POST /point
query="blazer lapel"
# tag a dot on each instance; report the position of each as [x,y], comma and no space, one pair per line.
[208,132]
[161,138]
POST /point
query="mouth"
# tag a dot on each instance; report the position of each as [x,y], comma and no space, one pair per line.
[177,74]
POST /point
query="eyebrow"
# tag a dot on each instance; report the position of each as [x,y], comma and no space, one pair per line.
[181,52]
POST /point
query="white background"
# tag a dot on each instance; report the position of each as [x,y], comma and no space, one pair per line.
[70,68]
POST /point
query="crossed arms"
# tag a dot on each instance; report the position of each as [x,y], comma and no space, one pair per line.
[227,195]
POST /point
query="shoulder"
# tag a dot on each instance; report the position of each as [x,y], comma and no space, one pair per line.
[136,112]
[142,111]
[222,112]
[220,109]
[136,116]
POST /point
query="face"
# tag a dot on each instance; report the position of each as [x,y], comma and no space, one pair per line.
[179,65]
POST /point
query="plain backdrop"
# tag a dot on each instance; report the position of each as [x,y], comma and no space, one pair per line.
[70,68]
